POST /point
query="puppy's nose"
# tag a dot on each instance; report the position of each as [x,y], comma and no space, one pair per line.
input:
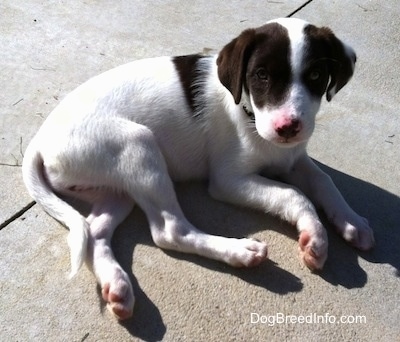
[288,128]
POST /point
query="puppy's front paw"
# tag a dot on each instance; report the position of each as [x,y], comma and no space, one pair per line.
[356,231]
[313,251]
[118,294]
[313,244]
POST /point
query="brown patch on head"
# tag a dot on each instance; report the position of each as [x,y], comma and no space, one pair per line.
[258,61]
[269,72]
[329,57]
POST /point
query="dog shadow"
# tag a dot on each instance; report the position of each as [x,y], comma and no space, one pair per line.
[381,208]
[341,268]
[146,322]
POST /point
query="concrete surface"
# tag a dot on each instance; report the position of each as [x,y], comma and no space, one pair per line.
[48,48]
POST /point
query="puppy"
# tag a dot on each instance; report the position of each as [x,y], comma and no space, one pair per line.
[124,136]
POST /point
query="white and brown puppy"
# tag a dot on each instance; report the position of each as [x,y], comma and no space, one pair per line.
[124,136]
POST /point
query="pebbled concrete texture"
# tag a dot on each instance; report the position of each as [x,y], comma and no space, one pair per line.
[48,48]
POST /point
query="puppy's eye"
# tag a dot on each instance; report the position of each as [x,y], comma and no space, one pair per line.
[262,74]
[314,75]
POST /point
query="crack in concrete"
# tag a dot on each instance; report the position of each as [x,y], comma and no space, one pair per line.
[299,9]
[17,215]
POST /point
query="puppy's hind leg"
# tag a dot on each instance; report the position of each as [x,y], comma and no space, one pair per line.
[152,189]
[107,213]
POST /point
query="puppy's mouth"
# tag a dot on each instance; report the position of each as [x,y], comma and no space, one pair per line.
[287,142]
[284,141]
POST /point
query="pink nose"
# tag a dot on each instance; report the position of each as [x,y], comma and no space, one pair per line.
[287,128]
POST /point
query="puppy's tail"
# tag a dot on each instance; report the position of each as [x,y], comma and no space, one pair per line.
[42,193]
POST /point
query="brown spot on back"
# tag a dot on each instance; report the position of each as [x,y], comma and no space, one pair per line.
[191,73]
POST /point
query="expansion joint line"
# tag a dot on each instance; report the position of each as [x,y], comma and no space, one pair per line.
[17,215]
[299,9]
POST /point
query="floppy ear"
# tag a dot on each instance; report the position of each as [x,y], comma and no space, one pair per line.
[232,63]
[342,59]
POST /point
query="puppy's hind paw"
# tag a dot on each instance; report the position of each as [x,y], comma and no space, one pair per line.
[247,253]
[119,297]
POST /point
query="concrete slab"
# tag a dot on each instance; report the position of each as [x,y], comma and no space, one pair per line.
[186,297]
[50,48]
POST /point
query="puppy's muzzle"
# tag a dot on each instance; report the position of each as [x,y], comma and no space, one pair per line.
[287,128]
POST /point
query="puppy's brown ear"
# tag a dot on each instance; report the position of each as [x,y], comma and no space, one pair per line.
[341,61]
[232,62]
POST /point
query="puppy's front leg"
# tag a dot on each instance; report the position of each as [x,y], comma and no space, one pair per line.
[278,199]
[319,187]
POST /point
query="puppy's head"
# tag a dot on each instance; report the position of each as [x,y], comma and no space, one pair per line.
[280,71]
